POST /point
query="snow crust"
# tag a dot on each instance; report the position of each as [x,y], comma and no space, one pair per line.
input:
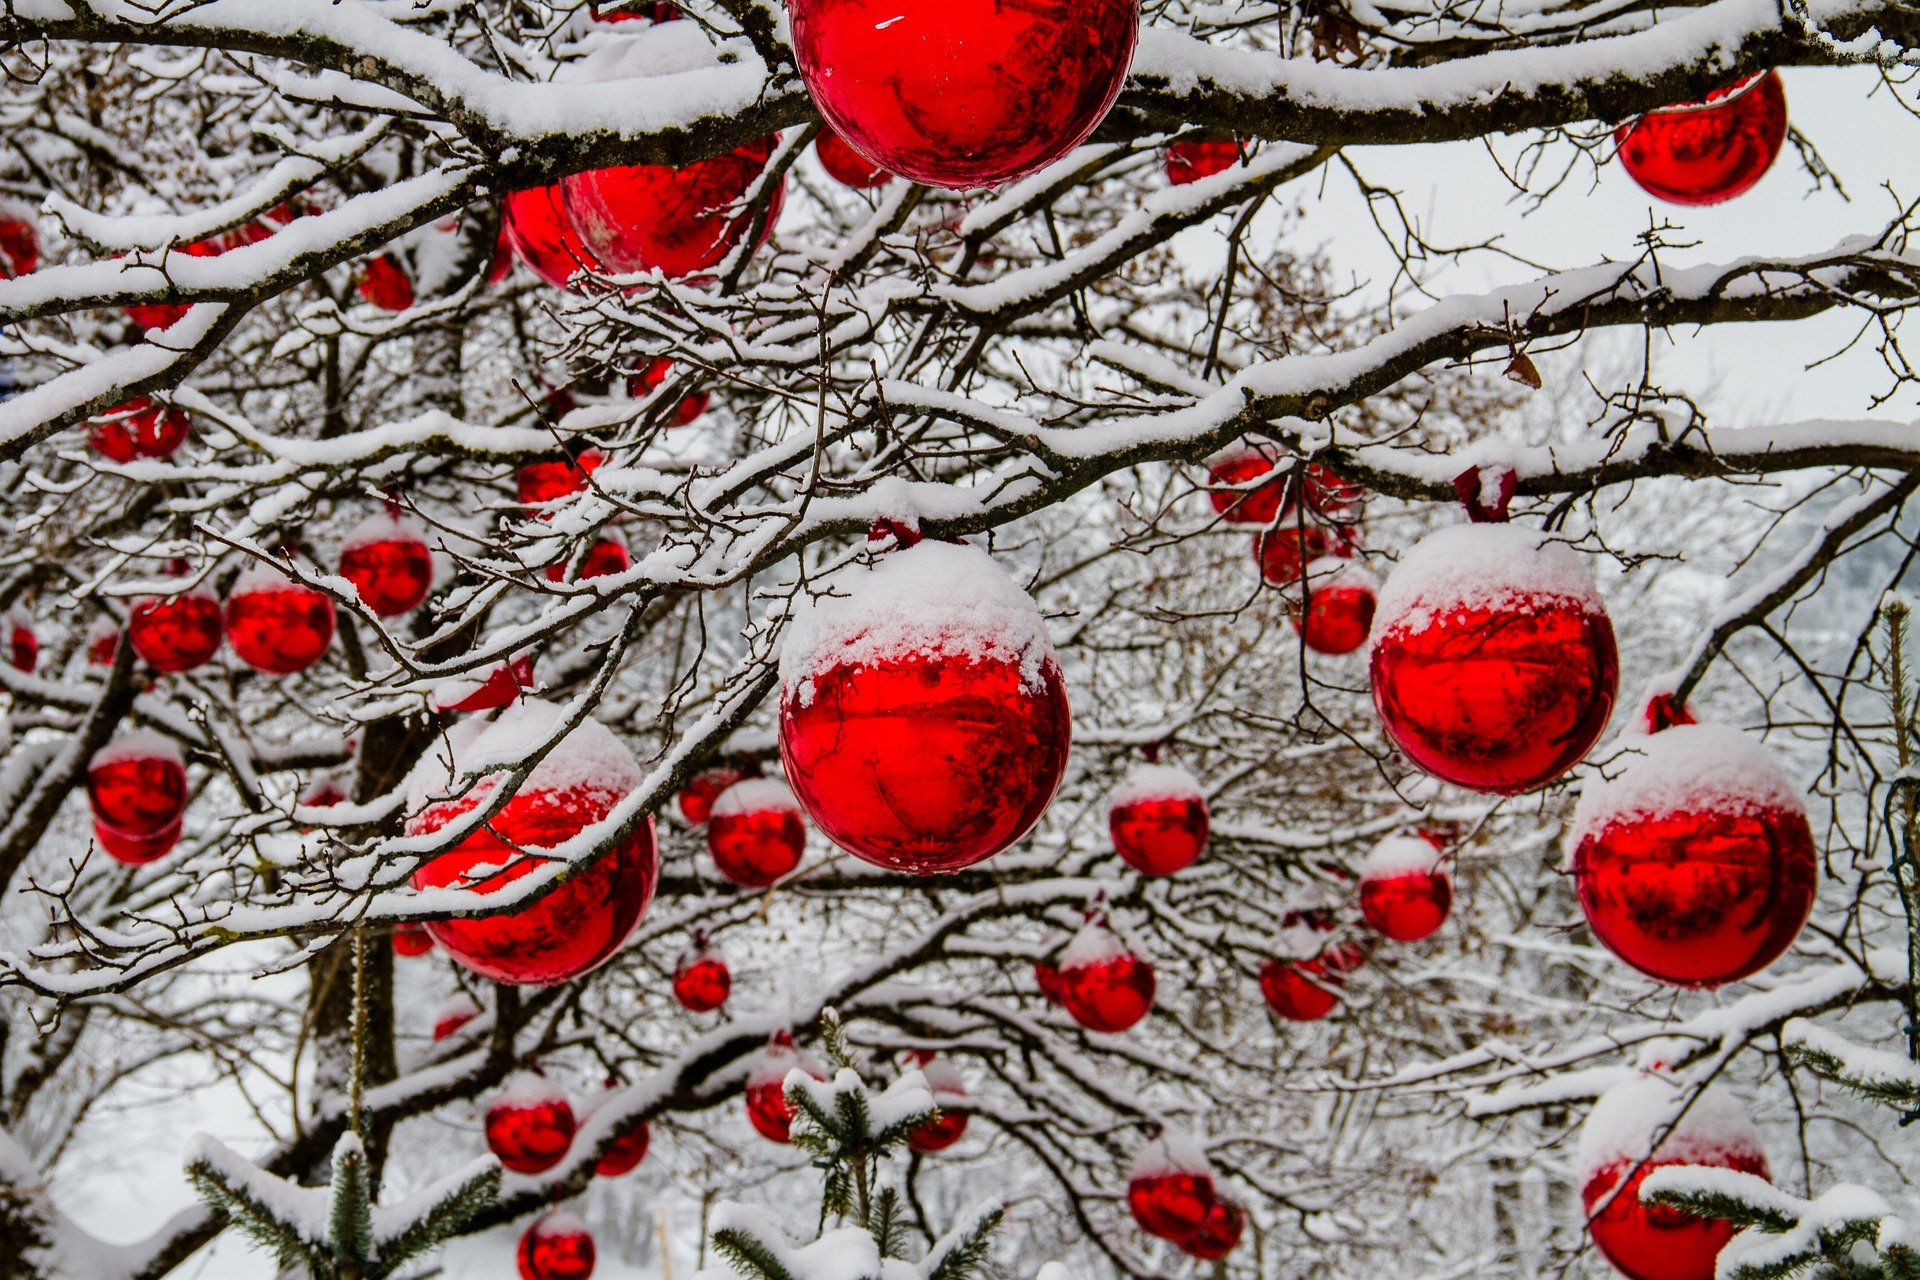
[589,757]
[259,575]
[907,1096]
[1626,1119]
[1481,566]
[1156,782]
[1171,1152]
[560,1222]
[524,1089]
[943,1078]
[1696,767]
[777,1061]
[1094,944]
[138,744]
[756,795]
[383,526]
[1402,856]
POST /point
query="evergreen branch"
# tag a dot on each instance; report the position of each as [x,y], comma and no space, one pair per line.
[885,1224]
[961,1254]
[1740,1198]
[749,1255]
[902,1129]
[442,1219]
[350,1204]
[1871,1073]
[255,1218]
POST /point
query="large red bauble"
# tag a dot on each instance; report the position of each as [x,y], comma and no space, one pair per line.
[1341,599]
[536,224]
[767,1107]
[624,1154]
[501,688]
[384,283]
[581,923]
[1299,990]
[455,1014]
[1706,152]
[1103,985]
[141,428]
[1647,1242]
[1493,661]
[1046,976]
[845,165]
[411,940]
[606,556]
[23,648]
[1196,159]
[276,625]
[530,1124]
[705,787]
[654,217]
[137,784]
[1170,1188]
[690,407]
[1158,820]
[701,981]
[1219,1235]
[923,718]
[1696,864]
[539,483]
[19,245]
[964,93]
[556,1247]
[950,1093]
[136,850]
[172,634]
[1405,889]
[387,559]
[756,832]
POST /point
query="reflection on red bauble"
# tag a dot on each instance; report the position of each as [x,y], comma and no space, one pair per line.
[1170,1188]
[756,832]
[963,93]
[384,283]
[19,245]
[1158,820]
[1493,661]
[1103,985]
[411,940]
[690,407]
[164,315]
[137,784]
[277,625]
[136,850]
[530,1124]
[1299,990]
[23,648]
[923,718]
[455,1014]
[1341,598]
[140,428]
[1193,160]
[501,688]
[387,559]
[556,1247]
[1647,1242]
[580,924]
[543,482]
[654,217]
[1696,864]
[702,981]
[536,224]
[1218,1235]
[767,1107]
[1284,551]
[624,1154]
[696,800]
[949,1093]
[172,634]
[845,165]
[1706,152]
[607,555]
[1405,888]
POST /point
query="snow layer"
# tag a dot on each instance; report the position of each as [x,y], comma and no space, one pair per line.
[908,1095]
[524,1089]
[588,757]
[777,1061]
[1171,1152]
[756,795]
[935,598]
[1627,1118]
[1481,566]
[383,526]
[138,744]
[1094,944]
[1401,856]
[1157,782]
[1693,767]
[259,576]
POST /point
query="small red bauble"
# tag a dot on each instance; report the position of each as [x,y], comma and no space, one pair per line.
[654,217]
[1405,889]
[1696,864]
[19,242]
[949,1093]
[136,850]
[580,924]
[845,165]
[502,687]
[701,981]
[756,832]
[1230,472]
[142,428]
[1339,610]
[923,718]
[387,559]
[1158,820]
[767,1107]
[1705,152]
[607,555]
[628,1148]
[651,12]
[690,407]
[164,315]
[1284,551]
[1170,1189]
[539,483]
[705,787]
[137,784]
[1218,1235]
[1493,661]
[1647,1242]
[1193,160]
[556,1247]
[411,940]
[530,1124]
[455,1014]
[1299,990]
[536,224]
[23,647]
[384,283]
[103,644]
[276,625]
[1105,986]
[172,634]
[963,93]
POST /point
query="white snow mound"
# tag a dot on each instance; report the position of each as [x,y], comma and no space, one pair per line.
[1401,856]
[1157,782]
[1703,768]
[525,1089]
[1481,566]
[383,526]
[138,744]
[756,795]
[1171,1152]
[1624,1122]
[1092,945]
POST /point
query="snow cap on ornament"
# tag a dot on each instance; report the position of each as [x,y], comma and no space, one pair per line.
[1103,984]
[1158,819]
[1406,890]
[453,1015]
[1170,1187]
[756,832]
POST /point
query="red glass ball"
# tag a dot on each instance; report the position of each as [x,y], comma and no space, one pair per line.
[1653,1242]
[1158,821]
[389,563]
[142,428]
[939,1134]
[137,785]
[384,283]
[702,985]
[1193,160]
[1493,660]
[104,646]
[172,634]
[539,483]
[23,649]
[1700,153]
[696,800]
[690,407]
[1171,1205]
[756,833]
[530,1126]
[1405,889]
[164,315]
[136,850]
[1696,865]
[963,93]
[1299,990]
[768,1111]
[411,940]
[1219,1235]
[276,625]
[1047,977]
[1284,551]
[653,217]
[845,165]
[536,224]
[605,556]
[556,1247]
[1108,995]
[502,687]
[19,247]
[1234,503]
[1339,607]
[624,1154]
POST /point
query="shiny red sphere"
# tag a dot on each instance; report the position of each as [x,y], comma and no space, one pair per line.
[755,849]
[1110,995]
[172,634]
[768,1111]
[605,556]
[392,575]
[19,247]
[1653,1242]
[845,165]
[941,1133]
[1700,153]
[1300,990]
[530,1138]
[654,217]
[1235,504]
[1172,1204]
[1046,976]
[555,1249]
[963,93]
[1219,1235]
[384,283]
[690,407]
[1337,618]
[696,800]
[624,1154]
[280,627]
[1407,908]
[536,224]
[411,940]
[1284,551]
[103,647]
[137,793]
[703,984]
[1193,160]
[23,649]
[136,850]
[930,763]
[1159,835]
[142,428]
[164,315]
[539,483]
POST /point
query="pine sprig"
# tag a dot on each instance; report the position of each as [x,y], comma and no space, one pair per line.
[350,1210]
[750,1256]
[884,1223]
[961,1254]
[256,1220]
[442,1218]
[1872,1073]
[1846,1234]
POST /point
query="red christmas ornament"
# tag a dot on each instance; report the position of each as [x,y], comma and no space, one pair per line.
[1341,599]
[607,555]
[1645,1242]
[690,407]
[1299,990]
[1493,660]
[756,832]
[176,633]
[1219,1235]
[540,483]
[705,787]
[1170,1189]
[1193,160]
[572,928]
[655,13]
[276,625]
[1046,976]
[949,1093]
[623,1155]
[701,981]
[1158,820]
[455,1014]
[384,283]
[411,940]
[136,850]
[845,165]
[556,1247]
[1696,864]
[501,688]
[103,643]
[1699,153]
[536,224]
[1284,551]
[767,1107]
[137,785]
[1230,472]
[963,93]
[19,240]
[387,559]
[140,428]
[164,315]
[678,222]
[530,1124]
[1405,888]
[923,718]
[1105,986]
[23,646]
